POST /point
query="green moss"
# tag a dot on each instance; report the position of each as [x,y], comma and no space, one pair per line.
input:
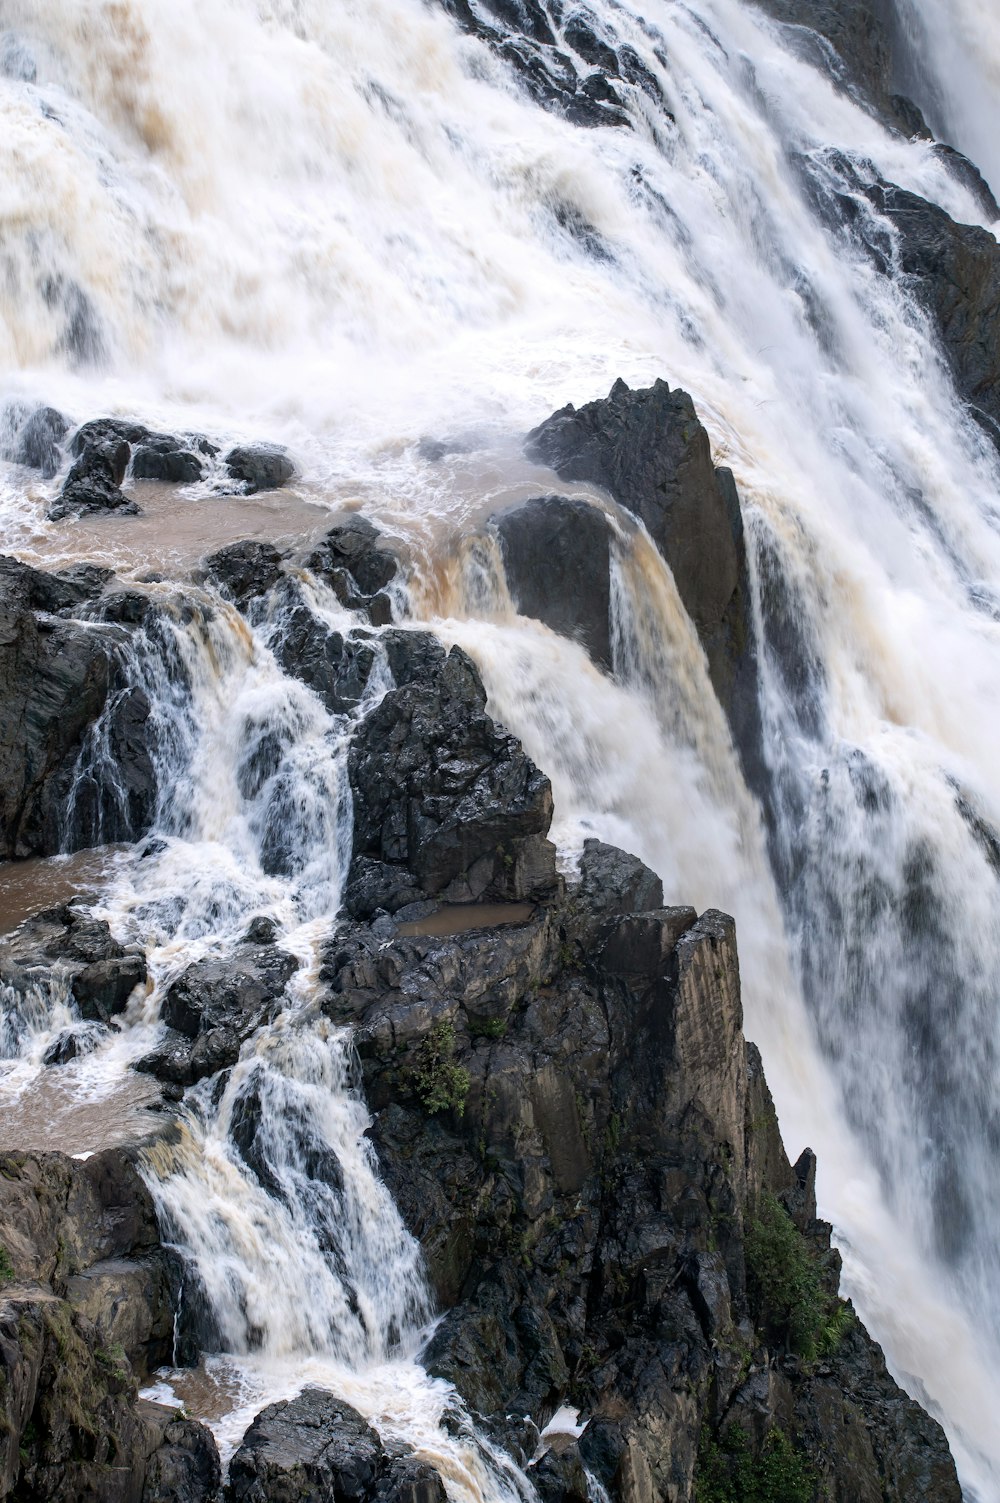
[728,1472]
[494,1028]
[6,1266]
[786,1286]
[440,1083]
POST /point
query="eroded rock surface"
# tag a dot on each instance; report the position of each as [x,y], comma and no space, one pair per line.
[574,1127]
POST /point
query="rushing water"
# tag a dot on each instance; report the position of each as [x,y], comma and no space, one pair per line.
[345,228]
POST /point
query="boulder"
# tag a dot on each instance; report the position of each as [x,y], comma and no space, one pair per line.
[318,1449]
[446,804]
[176,460]
[557,560]
[352,560]
[39,443]
[94,482]
[184,1467]
[213,1007]
[259,467]
[648,450]
[245,570]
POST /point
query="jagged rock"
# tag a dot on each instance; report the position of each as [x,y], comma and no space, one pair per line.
[650,452]
[95,480]
[245,570]
[65,944]
[213,1007]
[446,804]
[87,1231]
[259,467]
[57,678]
[39,443]
[561,60]
[352,561]
[318,1449]
[954,269]
[557,559]
[572,1124]
[184,1467]
[335,666]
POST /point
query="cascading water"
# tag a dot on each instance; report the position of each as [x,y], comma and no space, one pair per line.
[347,227]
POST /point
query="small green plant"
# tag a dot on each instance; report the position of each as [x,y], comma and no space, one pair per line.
[786,1287]
[440,1083]
[493,1028]
[728,1472]
[6,1266]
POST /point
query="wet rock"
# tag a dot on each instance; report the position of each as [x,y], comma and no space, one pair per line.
[73,1043]
[58,679]
[176,460]
[557,559]
[954,269]
[318,1449]
[94,482]
[66,946]
[245,570]
[650,452]
[335,665]
[213,1007]
[573,1126]
[561,60]
[259,467]
[446,804]
[39,444]
[184,1467]
[353,561]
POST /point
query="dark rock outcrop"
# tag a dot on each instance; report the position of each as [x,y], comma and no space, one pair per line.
[85,1312]
[446,804]
[648,450]
[353,561]
[574,1127]
[168,457]
[563,59]
[245,570]
[213,1007]
[58,678]
[953,269]
[94,483]
[557,559]
[66,945]
[259,467]
[318,1449]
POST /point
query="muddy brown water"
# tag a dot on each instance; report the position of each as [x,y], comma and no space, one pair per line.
[49,1115]
[460,918]
[28,887]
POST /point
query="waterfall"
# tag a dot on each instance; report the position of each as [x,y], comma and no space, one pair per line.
[347,228]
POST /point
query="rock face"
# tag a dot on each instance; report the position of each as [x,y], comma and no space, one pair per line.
[557,558]
[85,1310]
[650,452]
[562,59]
[354,561]
[58,677]
[446,804]
[574,1127]
[318,1449]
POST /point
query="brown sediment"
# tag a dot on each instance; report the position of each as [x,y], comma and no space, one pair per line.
[461,917]
[28,887]
[49,1114]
